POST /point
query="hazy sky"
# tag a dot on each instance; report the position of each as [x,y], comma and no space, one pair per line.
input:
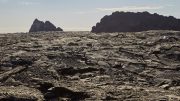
[73,15]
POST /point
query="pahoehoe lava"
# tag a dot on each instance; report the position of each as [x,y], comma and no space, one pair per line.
[73,66]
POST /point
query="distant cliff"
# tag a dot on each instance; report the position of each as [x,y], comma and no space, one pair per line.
[43,26]
[135,22]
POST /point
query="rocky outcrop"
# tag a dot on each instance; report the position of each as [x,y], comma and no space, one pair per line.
[135,22]
[41,26]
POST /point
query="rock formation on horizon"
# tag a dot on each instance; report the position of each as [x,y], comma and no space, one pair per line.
[43,26]
[135,22]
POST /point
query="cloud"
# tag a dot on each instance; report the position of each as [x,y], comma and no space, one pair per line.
[131,8]
[3,1]
[20,2]
[170,5]
[80,12]
[26,3]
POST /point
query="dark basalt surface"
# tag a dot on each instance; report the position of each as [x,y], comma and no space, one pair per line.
[73,66]
[135,22]
[38,26]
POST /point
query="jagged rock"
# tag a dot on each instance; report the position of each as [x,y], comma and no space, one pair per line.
[48,26]
[44,86]
[135,22]
[41,26]
[59,29]
[37,26]
[63,92]
[73,71]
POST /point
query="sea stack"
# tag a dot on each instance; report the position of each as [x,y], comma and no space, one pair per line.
[43,26]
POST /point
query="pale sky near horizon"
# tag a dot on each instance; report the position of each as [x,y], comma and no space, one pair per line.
[74,15]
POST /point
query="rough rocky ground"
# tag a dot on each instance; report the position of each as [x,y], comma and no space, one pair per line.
[73,66]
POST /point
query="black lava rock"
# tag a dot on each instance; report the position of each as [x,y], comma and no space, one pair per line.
[135,22]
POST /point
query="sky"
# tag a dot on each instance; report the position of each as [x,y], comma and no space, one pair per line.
[74,15]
